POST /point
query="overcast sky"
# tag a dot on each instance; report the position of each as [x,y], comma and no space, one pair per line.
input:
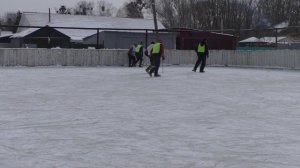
[43,5]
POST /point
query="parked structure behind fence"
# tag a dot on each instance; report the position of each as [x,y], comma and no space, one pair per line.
[91,57]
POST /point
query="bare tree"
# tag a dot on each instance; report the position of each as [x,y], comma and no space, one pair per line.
[134,8]
[84,8]
[122,12]
[104,8]
[294,15]
[174,13]
[207,14]
[63,10]
[278,11]
[11,19]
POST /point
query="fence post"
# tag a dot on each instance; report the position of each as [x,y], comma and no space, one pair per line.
[276,38]
[98,39]
[49,37]
[146,39]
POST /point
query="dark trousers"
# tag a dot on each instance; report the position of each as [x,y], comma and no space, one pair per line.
[202,60]
[156,63]
[131,59]
[151,64]
[139,57]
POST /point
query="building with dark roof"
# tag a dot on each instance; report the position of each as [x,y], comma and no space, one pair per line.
[188,39]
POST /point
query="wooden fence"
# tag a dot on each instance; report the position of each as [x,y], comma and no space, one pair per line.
[289,59]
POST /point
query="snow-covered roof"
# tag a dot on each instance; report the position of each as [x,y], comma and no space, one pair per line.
[197,30]
[251,40]
[224,34]
[271,39]
[263,40]
[282,25]
[58,20]
[5,33]
[24,33]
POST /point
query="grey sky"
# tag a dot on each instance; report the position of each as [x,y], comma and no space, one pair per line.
[43,5]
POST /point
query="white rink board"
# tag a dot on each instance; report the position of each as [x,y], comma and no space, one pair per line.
[283,59]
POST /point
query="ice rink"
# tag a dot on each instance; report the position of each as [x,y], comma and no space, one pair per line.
[119,117]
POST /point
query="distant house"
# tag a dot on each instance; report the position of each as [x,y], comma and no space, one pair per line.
[122,39]
[289,43]
[187,39]
[45,37]
[264,43]
[5,38]
[50,36]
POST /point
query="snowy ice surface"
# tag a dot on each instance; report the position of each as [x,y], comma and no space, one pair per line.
[118,117]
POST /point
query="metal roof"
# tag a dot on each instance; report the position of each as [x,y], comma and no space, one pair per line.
[59,20]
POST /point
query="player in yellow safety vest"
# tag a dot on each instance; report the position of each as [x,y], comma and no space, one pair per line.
[157,53]
[149,54]
[202,53]
[139,53]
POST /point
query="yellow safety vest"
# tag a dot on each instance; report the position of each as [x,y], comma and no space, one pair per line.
[156,48]
[201,49]
[138,48]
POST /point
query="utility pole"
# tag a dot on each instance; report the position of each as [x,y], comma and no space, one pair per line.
[154,17]
[49,15]
[222,25]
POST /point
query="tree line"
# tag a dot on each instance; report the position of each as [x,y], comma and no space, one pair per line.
[229,14]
